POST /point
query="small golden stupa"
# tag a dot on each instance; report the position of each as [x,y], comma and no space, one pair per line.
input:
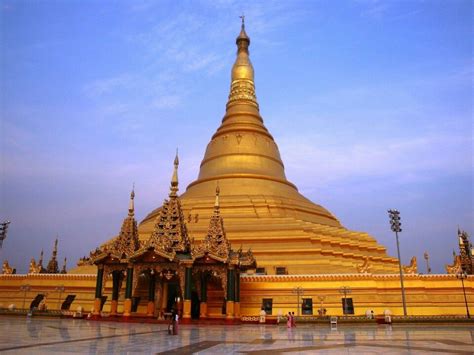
[263,210]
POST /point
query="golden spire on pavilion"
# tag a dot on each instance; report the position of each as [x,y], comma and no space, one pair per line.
[174,178]
[216,242]
[170,234]
[216,203]
[52,267]
[64,270]
[131,206]
[40,261]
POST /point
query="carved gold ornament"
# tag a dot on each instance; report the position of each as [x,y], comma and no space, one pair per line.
[412,268]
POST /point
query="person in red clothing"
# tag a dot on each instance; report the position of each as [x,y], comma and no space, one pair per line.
[293,321]
[289,322]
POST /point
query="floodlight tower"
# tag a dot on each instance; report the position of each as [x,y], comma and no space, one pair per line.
[395,226]
[3,232]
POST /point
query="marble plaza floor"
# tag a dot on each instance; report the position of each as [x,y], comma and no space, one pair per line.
[19,335]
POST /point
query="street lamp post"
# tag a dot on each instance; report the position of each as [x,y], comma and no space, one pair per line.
[59,289]
[345,290]
[395,226]
[25,289]
[298,291]
[461,275]
[321,308]
[427,258]
[3,232]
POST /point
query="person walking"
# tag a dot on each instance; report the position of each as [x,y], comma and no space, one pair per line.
[263,315]
[279,316]
[293,320]
[170,323]
[174,322]
[289,321]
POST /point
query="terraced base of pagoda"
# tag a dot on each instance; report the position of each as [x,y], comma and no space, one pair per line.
[285,233]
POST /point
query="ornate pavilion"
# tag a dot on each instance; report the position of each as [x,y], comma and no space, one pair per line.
[171,263]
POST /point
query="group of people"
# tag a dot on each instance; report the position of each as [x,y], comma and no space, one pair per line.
[291,323]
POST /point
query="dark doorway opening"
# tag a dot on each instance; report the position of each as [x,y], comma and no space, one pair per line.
[195,305]
[67,302]
[173,295]
[267,305]
[307,306]
[135,303]
[35,303]
[347,306]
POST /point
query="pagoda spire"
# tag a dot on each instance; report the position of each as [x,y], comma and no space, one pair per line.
[52,267]
[170,234]
[64,271]
[127,242]
[242,88]
[174,178]
[131,205]
[216,203]
[241,148]
[243,37]
[40,261]
[216,242]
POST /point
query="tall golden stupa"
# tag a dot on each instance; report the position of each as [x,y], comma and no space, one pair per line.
[263,210]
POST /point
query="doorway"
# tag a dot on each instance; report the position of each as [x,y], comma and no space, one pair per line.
[174,295]
[195,305]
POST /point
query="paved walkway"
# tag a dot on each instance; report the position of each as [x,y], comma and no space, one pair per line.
[35,336]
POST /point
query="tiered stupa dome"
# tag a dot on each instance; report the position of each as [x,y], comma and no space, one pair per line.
[261,208]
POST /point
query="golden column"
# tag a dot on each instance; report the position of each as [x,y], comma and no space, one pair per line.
[187,292]
[151,294]
[237,295]
[98,290]
[203,305]
[164,298]
[127,305]
[230,293]
[116,275]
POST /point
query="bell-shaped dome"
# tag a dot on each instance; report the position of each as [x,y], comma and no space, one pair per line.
[261,208]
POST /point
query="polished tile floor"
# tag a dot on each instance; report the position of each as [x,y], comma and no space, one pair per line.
[37,336]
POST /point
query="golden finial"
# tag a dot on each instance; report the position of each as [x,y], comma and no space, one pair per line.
[64,271]
[40,261]
[131,206]
[216,203]
[243,36]
[176,159]
[174,178]
[242,87]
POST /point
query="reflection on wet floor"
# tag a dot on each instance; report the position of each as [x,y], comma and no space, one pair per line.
[34,335]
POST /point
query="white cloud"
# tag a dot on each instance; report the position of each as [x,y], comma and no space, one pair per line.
[166,102]
[374,9]
[173,50]
[401,159]
[104,86]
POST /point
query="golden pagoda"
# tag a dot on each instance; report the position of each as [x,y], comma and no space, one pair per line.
[262,209]
[298,256]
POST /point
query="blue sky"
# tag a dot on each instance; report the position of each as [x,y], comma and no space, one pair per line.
[370,103]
